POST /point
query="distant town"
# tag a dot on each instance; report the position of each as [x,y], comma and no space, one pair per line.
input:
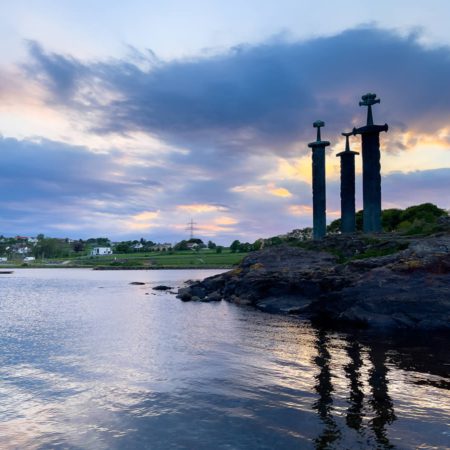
[31,248]
[40,250]
[193,252]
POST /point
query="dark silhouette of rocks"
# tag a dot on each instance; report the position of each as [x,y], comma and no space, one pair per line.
[407,286]
[162,287]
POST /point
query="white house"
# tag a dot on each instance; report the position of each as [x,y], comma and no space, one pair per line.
[100,251]
[3,259]
[21,250]
[29,258]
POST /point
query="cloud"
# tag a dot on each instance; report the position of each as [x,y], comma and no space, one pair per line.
[46,184]
[222,137]
[279,191]
[262,97]
[420,186]
[300,210]
[198,208]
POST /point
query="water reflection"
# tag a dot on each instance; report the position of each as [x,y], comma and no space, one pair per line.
[379,401]
[113,368]
[352,370]
[324,389]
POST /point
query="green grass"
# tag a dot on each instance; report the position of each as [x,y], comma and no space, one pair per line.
[378,252]
[154,260]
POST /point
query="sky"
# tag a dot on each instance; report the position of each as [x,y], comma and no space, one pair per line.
[127,119]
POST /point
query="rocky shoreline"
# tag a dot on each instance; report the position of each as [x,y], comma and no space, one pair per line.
[381,281]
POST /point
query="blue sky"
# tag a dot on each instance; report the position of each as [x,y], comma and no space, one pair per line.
[126,121]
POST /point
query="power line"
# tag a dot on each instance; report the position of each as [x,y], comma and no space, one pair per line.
[191,228]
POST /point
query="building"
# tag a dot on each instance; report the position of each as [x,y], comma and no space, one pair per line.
[20,249]
[101,251]
[3,259]
[162,247]
[29,258]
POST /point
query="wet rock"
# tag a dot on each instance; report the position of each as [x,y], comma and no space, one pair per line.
[184,294]
[407,288]
[289,304]
[162,288]
[213,297]
[137,283]
[198,291]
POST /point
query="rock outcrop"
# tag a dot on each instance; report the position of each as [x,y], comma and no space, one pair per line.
[406,284]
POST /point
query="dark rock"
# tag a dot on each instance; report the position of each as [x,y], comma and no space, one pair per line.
[213,297]
[137,283]
[198,291]
[162,288]
[184,294]
[288,304]
[407,288]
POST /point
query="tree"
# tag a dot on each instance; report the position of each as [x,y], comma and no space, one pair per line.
[51,248]
[219,249]
[245,247]
[412,220]
[234,247]
[197,241]
[426,212]
[211,245]
[78,246]
[103,242]
[391,218]
[123,247]
[182,245]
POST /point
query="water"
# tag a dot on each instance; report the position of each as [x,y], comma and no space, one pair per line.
[88,361]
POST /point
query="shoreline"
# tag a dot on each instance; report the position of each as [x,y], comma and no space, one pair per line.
[105,268]
[338,282]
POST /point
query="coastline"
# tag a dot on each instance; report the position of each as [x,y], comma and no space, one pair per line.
[207,267]
[338,282]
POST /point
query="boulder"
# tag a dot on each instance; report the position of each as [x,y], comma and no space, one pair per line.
[162,288]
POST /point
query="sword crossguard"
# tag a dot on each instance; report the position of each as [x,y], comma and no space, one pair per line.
[369,100]
[347,144]
[318,124]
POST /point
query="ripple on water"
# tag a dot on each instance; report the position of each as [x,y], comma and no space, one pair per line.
[90,361]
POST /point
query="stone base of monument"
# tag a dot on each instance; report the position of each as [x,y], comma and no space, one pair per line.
[404,289]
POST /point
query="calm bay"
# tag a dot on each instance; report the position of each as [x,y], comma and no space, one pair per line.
[88,361]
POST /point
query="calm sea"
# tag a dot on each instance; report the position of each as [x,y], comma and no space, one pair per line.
[88,361]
